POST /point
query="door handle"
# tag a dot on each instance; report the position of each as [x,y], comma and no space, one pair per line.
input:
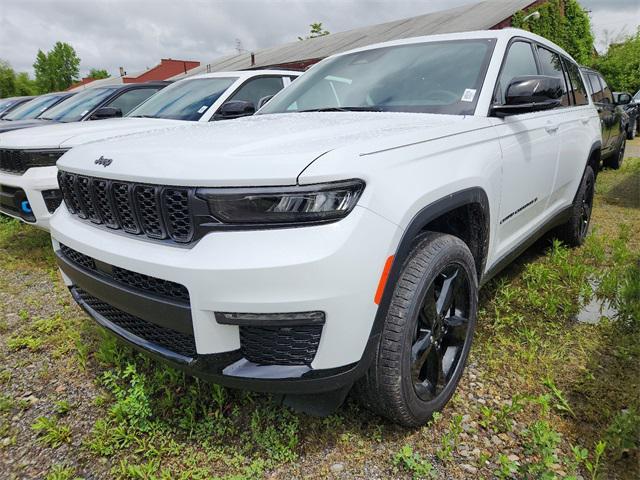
[551,128]
[585,120]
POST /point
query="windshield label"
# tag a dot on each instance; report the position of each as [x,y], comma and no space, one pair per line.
[202,109]
[468,95]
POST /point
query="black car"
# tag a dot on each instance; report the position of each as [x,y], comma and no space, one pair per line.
[9,103]
[34,108]
[631,106]
[613,119]
[93,104]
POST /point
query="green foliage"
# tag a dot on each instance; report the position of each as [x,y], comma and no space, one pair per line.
[57,69]
[98,74]
[413,462]
[621,64]
[565,23]
[14,84]
[316,31]
[50,432]
[623,434]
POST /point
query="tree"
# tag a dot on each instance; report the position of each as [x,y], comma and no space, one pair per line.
[56,69]
[98,74]
[14,84]
[564,22]
[621,64]
[316,31]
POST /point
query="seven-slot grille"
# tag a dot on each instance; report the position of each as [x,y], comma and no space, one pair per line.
[158,212]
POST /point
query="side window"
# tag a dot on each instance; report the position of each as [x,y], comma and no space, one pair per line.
[596,88]
[255,89]
[131,99]
[577,85]
[607,97]
[520,61]
[551,65]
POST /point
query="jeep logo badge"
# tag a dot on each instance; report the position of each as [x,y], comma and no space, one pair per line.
[105,162]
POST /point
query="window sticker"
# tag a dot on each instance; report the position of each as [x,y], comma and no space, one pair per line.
[468,95]
[203,109]
[84,113]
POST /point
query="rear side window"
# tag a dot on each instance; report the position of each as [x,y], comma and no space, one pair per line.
[131,99]
[577,85]
[607,97]
[519,62]
[256,88]
[552,65]
[596,88]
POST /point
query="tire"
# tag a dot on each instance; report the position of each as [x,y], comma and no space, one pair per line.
[431,318]
[615,161]
[574,232]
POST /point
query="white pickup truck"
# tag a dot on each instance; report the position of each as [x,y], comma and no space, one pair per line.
[28,186]
[338,237]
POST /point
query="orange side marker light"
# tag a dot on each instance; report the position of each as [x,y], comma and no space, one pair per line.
[383,280]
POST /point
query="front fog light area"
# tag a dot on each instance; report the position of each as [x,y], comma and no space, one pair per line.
[289,205]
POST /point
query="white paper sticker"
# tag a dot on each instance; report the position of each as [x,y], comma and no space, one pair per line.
[84,113]
[468,95]
[202,109]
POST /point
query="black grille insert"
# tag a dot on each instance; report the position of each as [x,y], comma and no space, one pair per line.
[172,340]
[52,199]
[19,161]
[156,211]
[155,286]
[280,345]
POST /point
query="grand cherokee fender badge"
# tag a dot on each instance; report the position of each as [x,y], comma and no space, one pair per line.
[105,162]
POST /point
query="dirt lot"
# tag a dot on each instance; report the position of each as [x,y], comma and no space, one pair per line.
[544,396]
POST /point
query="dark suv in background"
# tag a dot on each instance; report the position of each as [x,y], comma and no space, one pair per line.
[613,119]
[631,107]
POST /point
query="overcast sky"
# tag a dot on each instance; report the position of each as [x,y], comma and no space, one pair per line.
[135,34]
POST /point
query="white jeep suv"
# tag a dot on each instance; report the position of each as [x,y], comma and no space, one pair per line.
[28,185]
[339,236]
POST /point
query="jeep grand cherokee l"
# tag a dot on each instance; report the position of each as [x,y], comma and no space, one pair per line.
[339,236]
[28,185]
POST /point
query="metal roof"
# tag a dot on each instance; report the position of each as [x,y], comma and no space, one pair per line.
[476,16]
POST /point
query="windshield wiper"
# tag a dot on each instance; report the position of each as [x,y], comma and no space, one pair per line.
[343,109]
[142,116]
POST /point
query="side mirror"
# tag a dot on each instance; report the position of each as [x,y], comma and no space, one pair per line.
[623,99]
[530,93]
[106,112]
[263,101]
[235,109]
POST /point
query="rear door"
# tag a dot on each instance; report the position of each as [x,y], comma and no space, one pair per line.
[612,114]
[605,113]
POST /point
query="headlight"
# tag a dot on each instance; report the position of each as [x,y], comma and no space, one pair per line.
[275,206]
[42,158]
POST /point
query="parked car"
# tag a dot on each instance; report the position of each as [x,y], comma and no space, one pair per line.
[339,236]
[613,119]
[632,109]
[96,103]
[31,110]
[9,103]
[28,181]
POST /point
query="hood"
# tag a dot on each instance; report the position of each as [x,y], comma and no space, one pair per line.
[263,149]
[68,135]
[10,125]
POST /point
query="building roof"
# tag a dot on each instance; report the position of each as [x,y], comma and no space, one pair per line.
[477,16]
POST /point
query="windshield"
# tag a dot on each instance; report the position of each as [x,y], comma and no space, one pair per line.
[6,103]
[184,100]
[75,108]
[32,108]
[636,97]
[435,77]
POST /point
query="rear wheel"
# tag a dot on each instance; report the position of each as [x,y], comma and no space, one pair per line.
[427,333]
[615,161]
[574,232]
[632,130]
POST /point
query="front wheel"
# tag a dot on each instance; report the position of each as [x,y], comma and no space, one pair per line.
[427,333]
[615,161]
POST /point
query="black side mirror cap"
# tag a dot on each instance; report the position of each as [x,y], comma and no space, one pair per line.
[106,112]
[529,94]
[235,109]
[263,101]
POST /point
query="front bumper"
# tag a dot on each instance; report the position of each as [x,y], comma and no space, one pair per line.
[332,268]
[34,187]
